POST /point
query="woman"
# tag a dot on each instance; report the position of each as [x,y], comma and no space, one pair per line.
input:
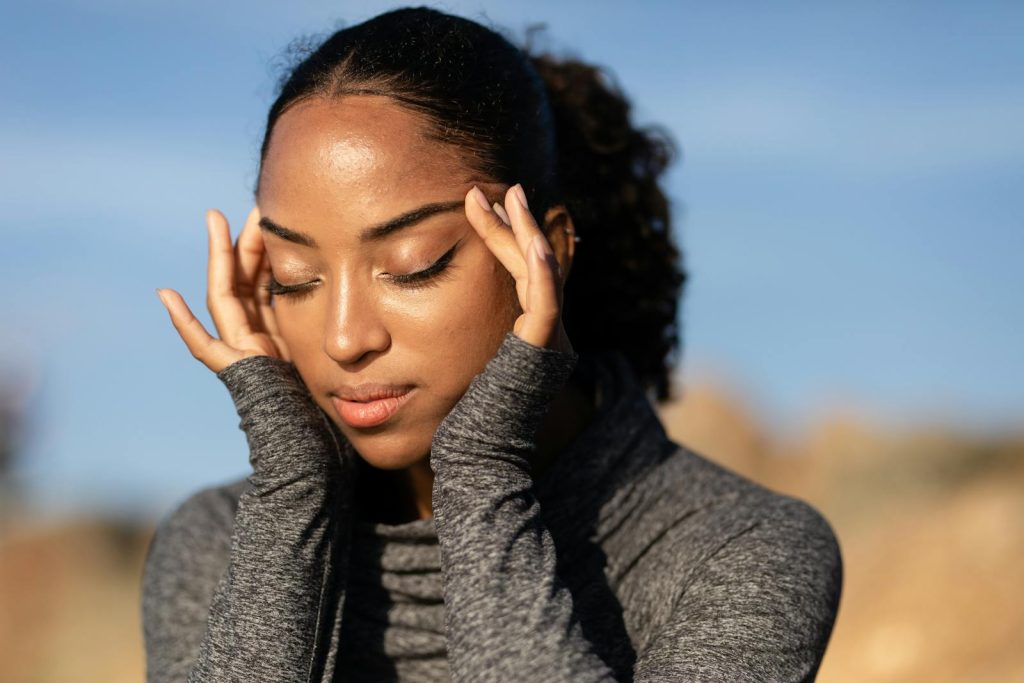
[456,469]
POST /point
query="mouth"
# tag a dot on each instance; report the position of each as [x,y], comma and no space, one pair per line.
[364,414]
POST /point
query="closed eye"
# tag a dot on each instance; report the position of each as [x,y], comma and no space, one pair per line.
[428,276]
[292,291]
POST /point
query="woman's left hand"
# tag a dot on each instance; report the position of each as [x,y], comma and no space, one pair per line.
[525,252]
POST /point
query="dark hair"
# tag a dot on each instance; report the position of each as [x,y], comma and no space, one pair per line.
[562,128]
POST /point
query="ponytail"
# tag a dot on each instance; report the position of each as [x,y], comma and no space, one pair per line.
[627,278]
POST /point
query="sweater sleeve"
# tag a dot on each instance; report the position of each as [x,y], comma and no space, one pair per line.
[507,613]
[761,608]
[274,613]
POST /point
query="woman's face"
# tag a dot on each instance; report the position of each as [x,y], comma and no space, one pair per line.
[334,169]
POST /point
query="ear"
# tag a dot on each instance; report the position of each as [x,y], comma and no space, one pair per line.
[560,232]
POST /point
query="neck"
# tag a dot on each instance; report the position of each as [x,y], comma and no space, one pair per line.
[405,495]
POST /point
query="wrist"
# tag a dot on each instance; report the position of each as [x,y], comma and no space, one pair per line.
[505,404]
[254,379]
[531,369]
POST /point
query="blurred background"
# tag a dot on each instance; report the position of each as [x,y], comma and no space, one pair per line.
[847,196]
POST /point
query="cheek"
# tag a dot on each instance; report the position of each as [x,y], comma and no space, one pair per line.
[300,328]
[467,312]
[298,325]
[462,328]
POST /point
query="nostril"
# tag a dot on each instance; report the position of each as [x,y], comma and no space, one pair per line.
[356,348]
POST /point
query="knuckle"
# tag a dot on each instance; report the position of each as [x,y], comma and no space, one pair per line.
[207,347]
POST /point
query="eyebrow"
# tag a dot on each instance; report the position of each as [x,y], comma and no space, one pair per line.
[371,234]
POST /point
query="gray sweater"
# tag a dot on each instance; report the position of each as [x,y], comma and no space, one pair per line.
[633,558]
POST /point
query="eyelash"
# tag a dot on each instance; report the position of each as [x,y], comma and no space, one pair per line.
[428,277]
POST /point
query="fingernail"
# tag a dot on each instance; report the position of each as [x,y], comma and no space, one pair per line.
[160,295]
[521,194]
[500,210]
[481,199]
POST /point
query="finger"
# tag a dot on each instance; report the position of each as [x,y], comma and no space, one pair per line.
[248,255]
[249,248]
[541,307]
[267,315]
[495,234]
[524,227]
[227,311]
[262,292]
[500,210]
[262,297]
[212,352]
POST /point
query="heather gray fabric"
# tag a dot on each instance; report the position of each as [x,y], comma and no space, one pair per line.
[632,558]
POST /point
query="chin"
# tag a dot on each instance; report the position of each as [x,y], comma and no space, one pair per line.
[391,454]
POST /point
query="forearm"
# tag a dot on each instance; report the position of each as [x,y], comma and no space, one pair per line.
[508,614]
[275,608]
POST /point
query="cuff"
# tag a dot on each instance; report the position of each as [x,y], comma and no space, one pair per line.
[523,367]
[504,405]
[253,379]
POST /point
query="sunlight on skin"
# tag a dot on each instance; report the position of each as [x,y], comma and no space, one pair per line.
[333,169]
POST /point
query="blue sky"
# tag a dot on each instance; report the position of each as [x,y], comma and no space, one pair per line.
[848,198]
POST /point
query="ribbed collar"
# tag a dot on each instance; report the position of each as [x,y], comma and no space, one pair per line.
[624,439]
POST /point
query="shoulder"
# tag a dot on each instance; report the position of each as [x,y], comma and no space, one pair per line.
[186,557]
[750,529]
[204,512]
[730,503]
[759,571]
[192,541]
[687,518]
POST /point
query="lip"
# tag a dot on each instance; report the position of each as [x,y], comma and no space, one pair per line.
[369,405]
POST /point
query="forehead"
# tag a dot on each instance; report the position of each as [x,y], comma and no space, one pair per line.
[361,150]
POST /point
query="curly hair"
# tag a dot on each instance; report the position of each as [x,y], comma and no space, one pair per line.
[628,280]
[559,126]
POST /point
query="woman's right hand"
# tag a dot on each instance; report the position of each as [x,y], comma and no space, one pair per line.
[236,298]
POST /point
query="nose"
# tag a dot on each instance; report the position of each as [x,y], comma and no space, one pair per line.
[354,327]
